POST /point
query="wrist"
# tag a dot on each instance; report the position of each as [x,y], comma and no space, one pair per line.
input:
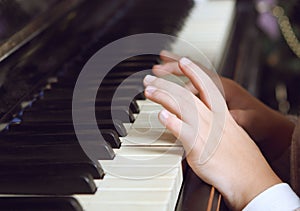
[242,194]
[248,185]
[253,177]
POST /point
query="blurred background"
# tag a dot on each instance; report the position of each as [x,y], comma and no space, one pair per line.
[278,23]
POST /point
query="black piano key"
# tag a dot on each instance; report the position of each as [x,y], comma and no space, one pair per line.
[45,104]
[59,151]
[101,150]
[122,73]
[146,58]
[133,66]
[38,203]
[116,102]
[111,137]
[17,167]
[119,113]
[68,126]
[51,184]
[48,138]
[30,142]
[117,81]
[117,73]
[69,84]
[104,92]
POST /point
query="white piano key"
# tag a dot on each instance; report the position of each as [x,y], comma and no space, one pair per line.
[140,165]
[158,192]
[127,194]
[127,126]
[128,172]
[151,108]
[145,102]
[142,173]
[147,120]
[149,151]
[152,184]
[146,201]
[149,137]
[143,161]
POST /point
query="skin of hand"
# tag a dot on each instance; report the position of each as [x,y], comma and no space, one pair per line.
[271,130]
[237,168]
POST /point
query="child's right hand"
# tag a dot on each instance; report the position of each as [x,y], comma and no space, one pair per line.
[229,159]
[271,130]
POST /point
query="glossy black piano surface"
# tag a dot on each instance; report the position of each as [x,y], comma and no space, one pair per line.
[43,46]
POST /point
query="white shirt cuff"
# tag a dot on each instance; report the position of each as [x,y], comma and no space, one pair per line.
[279,197]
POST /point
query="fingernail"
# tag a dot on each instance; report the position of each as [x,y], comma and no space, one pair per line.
[164,115]
[150,89]
[185,61]
[149,79]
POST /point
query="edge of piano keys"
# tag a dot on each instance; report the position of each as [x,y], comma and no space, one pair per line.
[215,52]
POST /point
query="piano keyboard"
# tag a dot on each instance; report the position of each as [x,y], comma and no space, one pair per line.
[146,172]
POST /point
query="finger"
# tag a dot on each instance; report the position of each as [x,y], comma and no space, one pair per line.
[179,129]
[190,86]
[188,108]
[182,131]
[168,100]
[167,56]
[176,99]
[214,100]
[167,68]
[208,91]
[172,68]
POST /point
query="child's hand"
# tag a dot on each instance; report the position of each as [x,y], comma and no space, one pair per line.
[236,163]
[270,129]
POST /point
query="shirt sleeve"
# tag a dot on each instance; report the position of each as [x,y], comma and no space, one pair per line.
[279,197]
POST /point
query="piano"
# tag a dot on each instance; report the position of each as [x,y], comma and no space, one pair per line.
[43,47]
